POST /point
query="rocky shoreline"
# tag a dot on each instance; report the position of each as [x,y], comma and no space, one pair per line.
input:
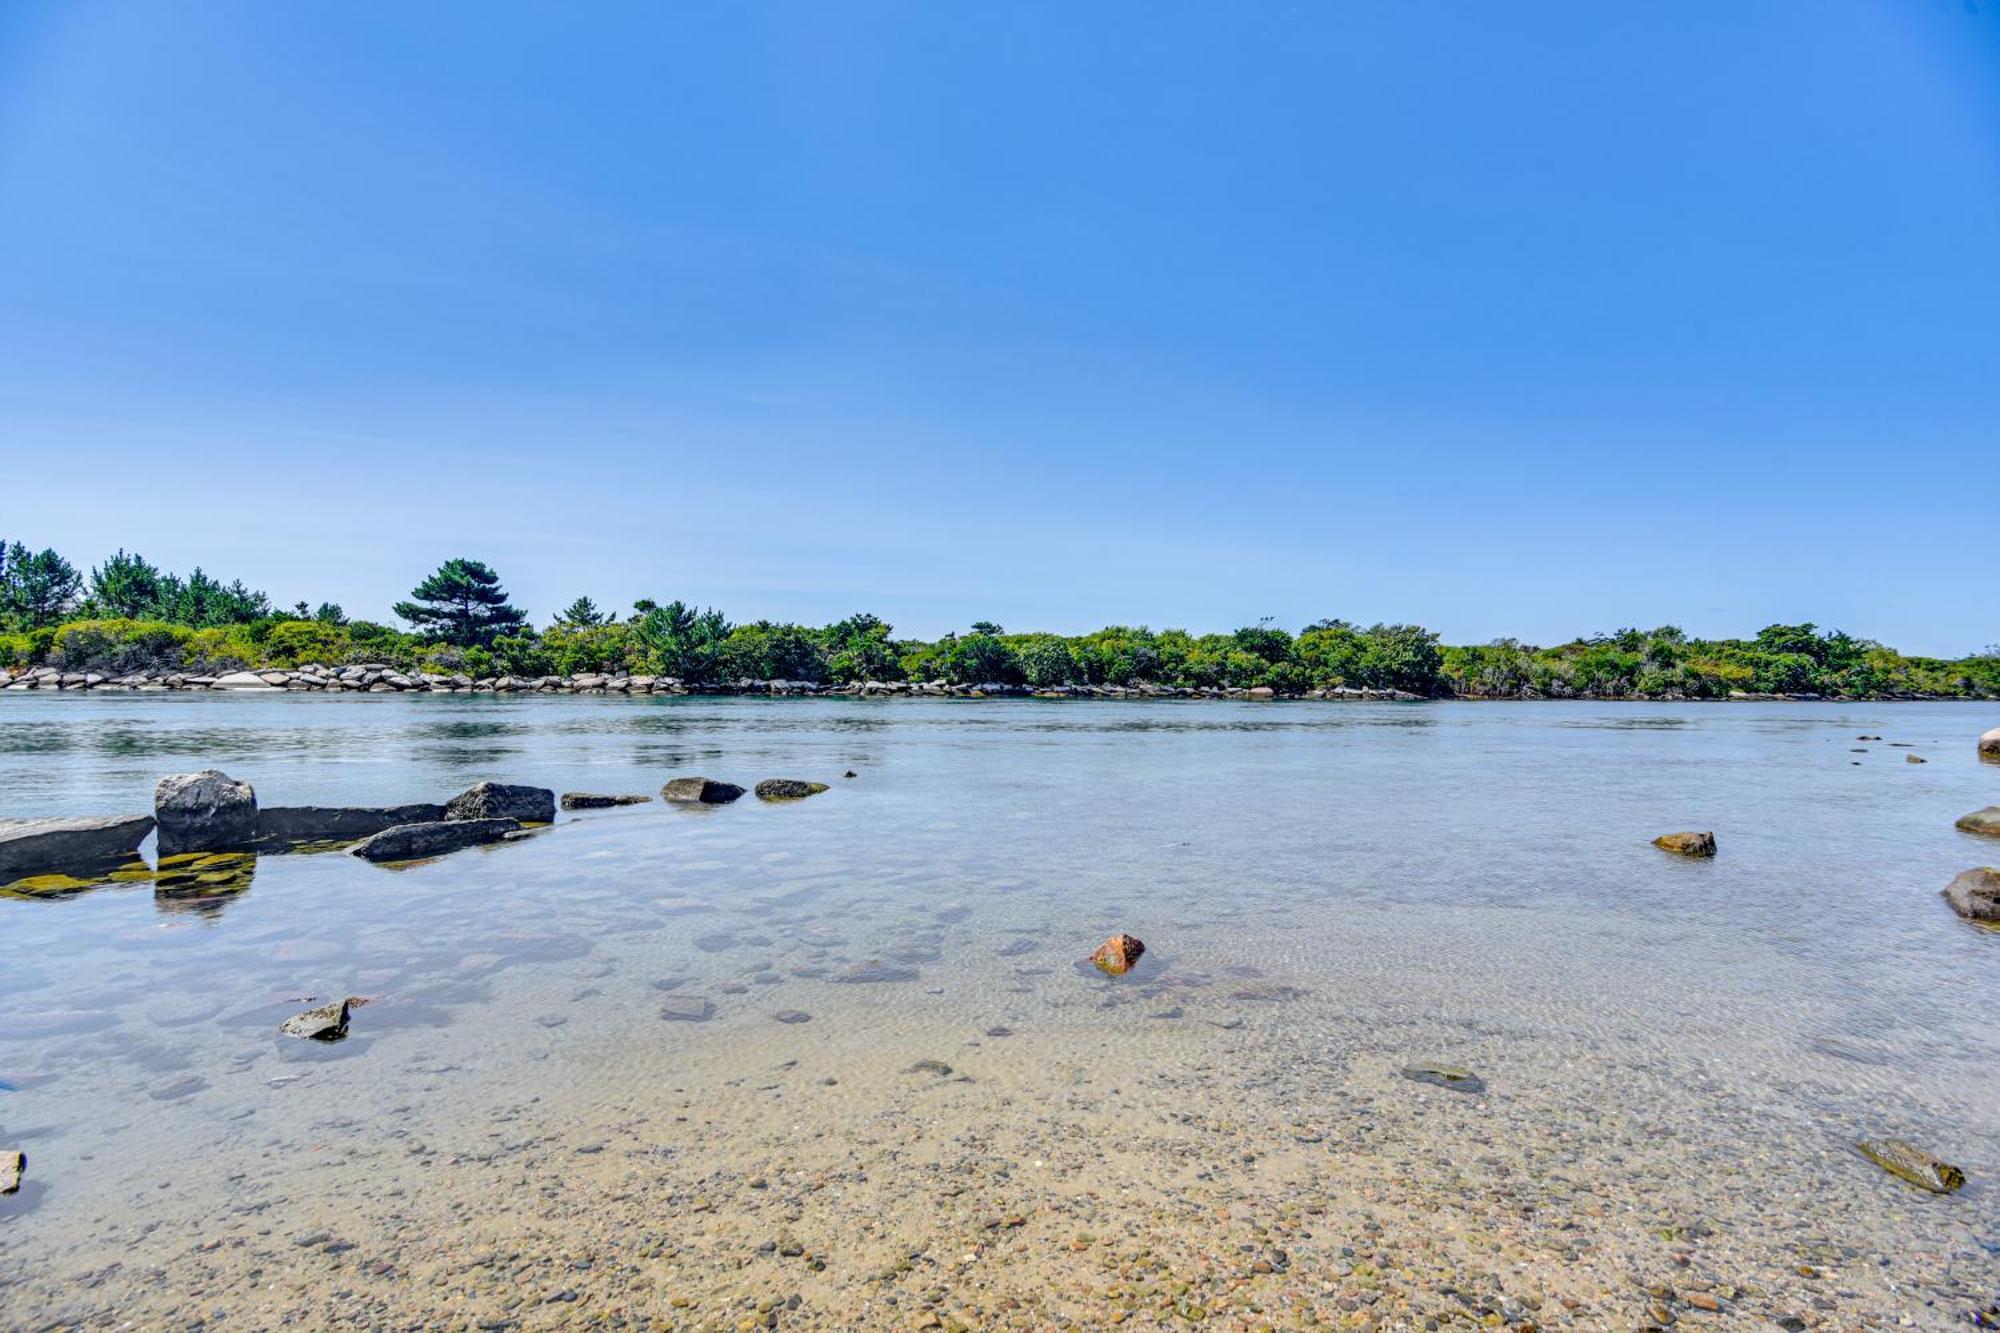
[381,678]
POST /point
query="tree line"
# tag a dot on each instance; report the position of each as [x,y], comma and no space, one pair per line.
[127,614]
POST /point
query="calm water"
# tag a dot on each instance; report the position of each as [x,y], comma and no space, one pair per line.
[1327,893]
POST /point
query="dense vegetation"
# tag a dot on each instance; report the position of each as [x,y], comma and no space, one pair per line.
[127,615]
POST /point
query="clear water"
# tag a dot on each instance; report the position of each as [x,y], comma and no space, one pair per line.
[1678,1054]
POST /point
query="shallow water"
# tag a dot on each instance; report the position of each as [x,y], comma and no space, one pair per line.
[1677,1055]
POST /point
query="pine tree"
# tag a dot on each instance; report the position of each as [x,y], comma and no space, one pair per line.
[583,614]
[462,604]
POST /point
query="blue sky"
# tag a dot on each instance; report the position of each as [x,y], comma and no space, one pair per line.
[1530,319]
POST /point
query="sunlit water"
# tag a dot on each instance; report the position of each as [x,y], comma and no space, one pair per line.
[1678,1053]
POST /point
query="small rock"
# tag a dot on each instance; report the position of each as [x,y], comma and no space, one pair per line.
[326,1023]
[1975,895]
[1446,1076]
[687,1009]
[590,800]
[1118,955]
[938,1067]
[13,1166]
[1912,1164]
[792,1016]
[850,773]
[700,791]
[1915,759]
[1686,844]
[788,789]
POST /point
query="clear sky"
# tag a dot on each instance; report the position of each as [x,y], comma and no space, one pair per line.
[1508,318]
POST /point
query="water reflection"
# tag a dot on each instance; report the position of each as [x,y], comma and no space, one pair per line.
[202,883]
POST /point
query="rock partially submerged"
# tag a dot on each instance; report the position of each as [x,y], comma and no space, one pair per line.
[284,825]
[1446,1076]
[1118,955]
[1912,1164]
[1989,746]
[207,811]
[326,1023]
[500,800]
[68,846]
[1975,895]
[700,791]
[13,1165]
[590,800]
[788,789]
[1985,822]
[409,842]
[1686,844]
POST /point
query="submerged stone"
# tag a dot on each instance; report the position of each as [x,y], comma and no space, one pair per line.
[410,842]
[1912,1164]
[326,1023]
[875,970]
[788,789]
[1446,1076]
[700,791]
[687,1009]
[500,800]
[590,800]
[792,1016]
[207,811]
[1118,955]
[938,1067]
[1686,844]
[69,846]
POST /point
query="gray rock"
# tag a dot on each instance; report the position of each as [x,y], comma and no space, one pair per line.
[1985,822]
[338,823]
[207,811]
[1989,746]
[588,800]
[326,1023]
[13,1165]
[408,842]
[788,789]
[700,791]
[45,846]
[498,800]
[1975,895]
[243,680]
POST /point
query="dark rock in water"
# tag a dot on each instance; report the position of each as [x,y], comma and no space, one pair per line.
[687,1009]
[938,1067]
[788,789]
[45,846]
[499,800]
[326,1023]
[410,842]
[1686,844]
[1912,1164]
[875,970]
[850,773]
[792,1016]
[1986,823]
[998,1032]
[1446,1076]
[336,823]
[590,800]
[13,1165]
[207,811]
[700,791]
[1118,955]
[1975,895]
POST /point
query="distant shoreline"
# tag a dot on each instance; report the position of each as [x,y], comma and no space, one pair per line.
[378,678]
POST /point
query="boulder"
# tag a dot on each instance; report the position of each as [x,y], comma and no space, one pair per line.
[588,800]
[326,1023]
[408,842]
[1912,1164]
[1989,746]
[243,680]
[207,811]
[1118,955]
[1975,895]
[788,789]
[91,842]
[337,823]
[498,800]
[1985,822]
[700,791]
[13,1165]
[1686,844]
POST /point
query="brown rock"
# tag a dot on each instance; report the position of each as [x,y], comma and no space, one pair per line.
[326,1023]
[1985,822]
[700,791]
[1118,955]
[1686,844]
[1975,895]
[13,1165]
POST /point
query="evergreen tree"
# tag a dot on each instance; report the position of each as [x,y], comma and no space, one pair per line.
[127,586]
[463,605]
[582,614]
[36,587]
